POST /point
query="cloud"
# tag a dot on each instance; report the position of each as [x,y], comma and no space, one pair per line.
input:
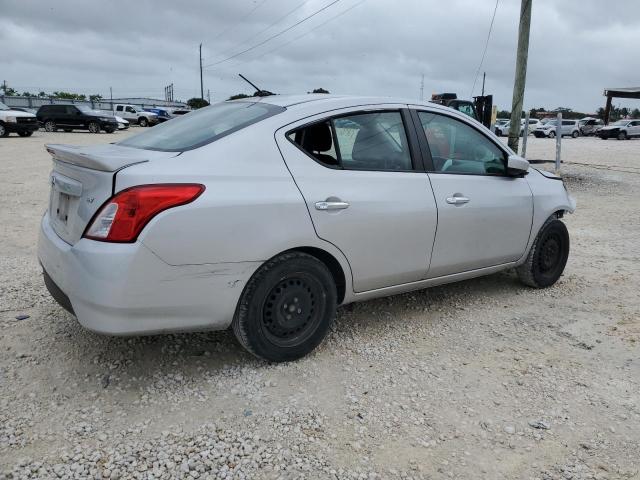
[377,48]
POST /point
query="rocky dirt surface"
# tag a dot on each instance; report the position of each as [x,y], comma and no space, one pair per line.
[483,379]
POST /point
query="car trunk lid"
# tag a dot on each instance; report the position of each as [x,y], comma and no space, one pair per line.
[82,179]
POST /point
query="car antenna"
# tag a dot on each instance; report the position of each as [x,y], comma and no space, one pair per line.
[259,92]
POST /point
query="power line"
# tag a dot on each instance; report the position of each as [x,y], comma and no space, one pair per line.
[282,32]
[282,45]
[248,39]
[241,19]
[486,44]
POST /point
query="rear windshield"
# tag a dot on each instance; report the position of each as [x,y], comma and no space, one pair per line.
[202,126]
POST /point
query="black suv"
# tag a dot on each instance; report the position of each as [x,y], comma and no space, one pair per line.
[79,117]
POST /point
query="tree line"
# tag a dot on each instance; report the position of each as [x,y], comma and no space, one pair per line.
[616,113]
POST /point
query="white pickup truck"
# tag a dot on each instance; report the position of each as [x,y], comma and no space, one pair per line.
[134,114]
[23,123]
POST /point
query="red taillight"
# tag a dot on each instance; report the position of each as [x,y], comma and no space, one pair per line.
[122,218]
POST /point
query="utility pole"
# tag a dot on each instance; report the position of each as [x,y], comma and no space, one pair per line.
[111,97]
[484,76]
[422,89]
[208,96]
[201,84]
[4,86]
[521,74]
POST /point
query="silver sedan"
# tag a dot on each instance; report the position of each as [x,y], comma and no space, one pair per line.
[267,213]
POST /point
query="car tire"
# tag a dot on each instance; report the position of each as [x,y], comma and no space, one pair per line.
[622,136]
[143,122]
[25,134]
[3,130]
[552,134]
[50,126]
[109,130]
[286,308]
[94,127]
[575,134]
[547,257]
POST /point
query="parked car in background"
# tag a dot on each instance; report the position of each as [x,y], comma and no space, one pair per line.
[32,111]
[162,114]
[178,112]
[503,130]
[122,123]
[136,115]
[590,125]
[533,124]
[548,129]
[292,218]
[12,120]
[622,130]
[75,117]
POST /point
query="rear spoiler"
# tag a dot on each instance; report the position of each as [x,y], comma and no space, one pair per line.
[105,158]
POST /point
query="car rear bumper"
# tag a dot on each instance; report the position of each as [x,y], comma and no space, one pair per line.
[125,289]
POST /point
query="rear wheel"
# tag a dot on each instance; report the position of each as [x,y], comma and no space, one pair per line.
[143,122]
[50,126]
[575,134]
[25,133]
[622,136]
[552,134]
[548,256]
[287,307]
[94,127]
[3,130]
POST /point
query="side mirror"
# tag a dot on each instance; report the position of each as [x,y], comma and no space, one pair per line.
[517,166]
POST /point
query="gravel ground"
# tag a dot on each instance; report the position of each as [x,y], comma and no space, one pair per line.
[482,379]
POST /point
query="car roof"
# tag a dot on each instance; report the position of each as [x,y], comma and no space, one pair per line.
[324,98]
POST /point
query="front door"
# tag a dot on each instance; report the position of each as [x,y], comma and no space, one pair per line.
[359,177]
[484,216]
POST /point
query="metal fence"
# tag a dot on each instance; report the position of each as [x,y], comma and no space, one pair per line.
[37,102]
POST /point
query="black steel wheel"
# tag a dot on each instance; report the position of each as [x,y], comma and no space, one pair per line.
[547,257]
[286,308]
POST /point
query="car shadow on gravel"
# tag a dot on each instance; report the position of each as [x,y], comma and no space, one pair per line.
[200,355]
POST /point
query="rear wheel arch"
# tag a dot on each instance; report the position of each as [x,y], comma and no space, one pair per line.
[337,272]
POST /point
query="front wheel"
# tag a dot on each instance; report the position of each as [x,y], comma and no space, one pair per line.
[50,126]
[143,122]
[287,307]
[547,257]
[622,136]
[575,134]
[3,130]
[94,127]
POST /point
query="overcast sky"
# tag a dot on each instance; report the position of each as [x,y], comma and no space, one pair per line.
[378,47]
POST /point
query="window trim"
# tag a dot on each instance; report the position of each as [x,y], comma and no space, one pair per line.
[429,165]
[415,154]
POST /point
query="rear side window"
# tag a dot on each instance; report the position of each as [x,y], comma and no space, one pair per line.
[364,141]
[202,126]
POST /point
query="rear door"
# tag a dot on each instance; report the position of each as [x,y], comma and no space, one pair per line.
[360,174]
[74,117]
[484,216]
[634,128]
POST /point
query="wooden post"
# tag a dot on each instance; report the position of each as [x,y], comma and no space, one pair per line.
[521,74]
[607,109]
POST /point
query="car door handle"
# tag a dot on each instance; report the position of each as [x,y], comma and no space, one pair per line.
[331,205]
[455,200]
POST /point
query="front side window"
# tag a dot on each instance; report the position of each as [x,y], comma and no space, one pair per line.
[202,126]
[362,141]
[459,148]
[130,110]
